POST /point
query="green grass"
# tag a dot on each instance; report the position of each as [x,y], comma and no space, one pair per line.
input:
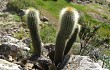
[16,18]
[21,34]
[48,33]
[107,52]
[55,7]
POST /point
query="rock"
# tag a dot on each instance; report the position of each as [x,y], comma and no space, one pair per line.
[27,41]
[100,62]
[14,47]
[4,50]
[5,65]
[77,62]
[10,58]
[86,63]
[28,66]
[13,43]
[3,4]
[47,48]
[45,20]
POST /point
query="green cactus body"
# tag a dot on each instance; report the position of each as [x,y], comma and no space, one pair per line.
[33,22]
[71,41]
[66,28]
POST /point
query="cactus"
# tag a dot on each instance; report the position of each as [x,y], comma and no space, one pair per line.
[72,40]
[33,22]
[52,67]
[68,20]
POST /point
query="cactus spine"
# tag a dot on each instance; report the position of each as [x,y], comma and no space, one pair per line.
[33,22]
[68,20]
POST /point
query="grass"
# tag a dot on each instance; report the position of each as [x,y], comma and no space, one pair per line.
[55,7]
[48,33]
[16,18]
[21,34]
[107,52]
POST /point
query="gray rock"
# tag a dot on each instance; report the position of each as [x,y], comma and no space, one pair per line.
[13,43]
[5,65]
[14,47]
[77,62]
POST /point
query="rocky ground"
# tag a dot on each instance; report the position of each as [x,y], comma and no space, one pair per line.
[14,52]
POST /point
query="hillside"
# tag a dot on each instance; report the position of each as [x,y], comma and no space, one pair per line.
[18,45]
[94,13]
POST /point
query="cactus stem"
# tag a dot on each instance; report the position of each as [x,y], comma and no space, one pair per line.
[33,22]
[68,21]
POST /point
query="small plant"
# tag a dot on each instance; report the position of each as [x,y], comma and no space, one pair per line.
[19,35]
[105,17]
[87,36]
[91,43]
[16,18]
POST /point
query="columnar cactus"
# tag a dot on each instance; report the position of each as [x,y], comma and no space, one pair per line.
[72,40]
[33,22]
[68,21]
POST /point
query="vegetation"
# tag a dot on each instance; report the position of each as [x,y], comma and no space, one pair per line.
[16,5]
[55,7]
[63,38]
[48,33]
[33,25]
[92,37]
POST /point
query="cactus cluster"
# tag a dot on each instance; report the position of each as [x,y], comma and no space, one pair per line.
[66,36]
